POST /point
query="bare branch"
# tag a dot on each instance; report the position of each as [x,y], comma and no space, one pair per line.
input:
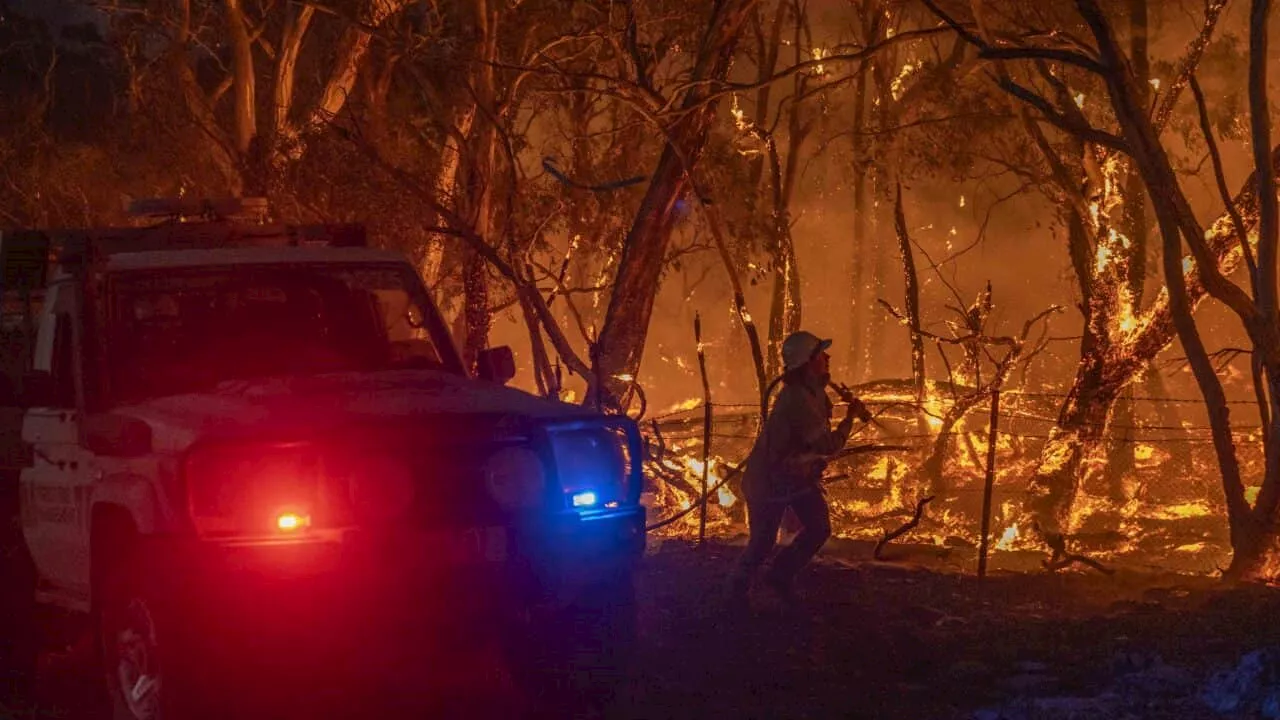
[1237,222]
[1213,11]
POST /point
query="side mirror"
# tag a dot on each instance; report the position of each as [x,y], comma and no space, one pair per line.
[114,435]
[38,389]
[496,365]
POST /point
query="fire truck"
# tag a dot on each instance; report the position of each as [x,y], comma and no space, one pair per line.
[233,440]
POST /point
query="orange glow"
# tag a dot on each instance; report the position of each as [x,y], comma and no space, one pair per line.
[290,522]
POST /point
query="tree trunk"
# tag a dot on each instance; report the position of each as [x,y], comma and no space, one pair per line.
[1072,456]
[644,252]
[1257,552]
[746,322]
[859,303]
[784,315]
[448,183]
[911,290]
[1101,376]
[1173,310]
[1120,465]
[475,287]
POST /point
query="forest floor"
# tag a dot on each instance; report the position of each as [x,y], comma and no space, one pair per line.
[915,638]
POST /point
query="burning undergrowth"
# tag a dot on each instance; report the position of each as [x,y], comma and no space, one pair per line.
[1164,510]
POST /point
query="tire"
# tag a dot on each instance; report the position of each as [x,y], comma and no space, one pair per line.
[570,662]
[140,647]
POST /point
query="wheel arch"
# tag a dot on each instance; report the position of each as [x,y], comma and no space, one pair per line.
[113,531]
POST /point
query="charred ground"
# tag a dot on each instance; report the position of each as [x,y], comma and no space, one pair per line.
[914,639]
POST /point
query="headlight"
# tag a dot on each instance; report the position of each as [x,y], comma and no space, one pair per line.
[593,466]
[515,479]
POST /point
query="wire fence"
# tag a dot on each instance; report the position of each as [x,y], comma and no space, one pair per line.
[1171,512]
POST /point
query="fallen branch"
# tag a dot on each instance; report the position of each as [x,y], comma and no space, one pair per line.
[1062,559]
[908,527]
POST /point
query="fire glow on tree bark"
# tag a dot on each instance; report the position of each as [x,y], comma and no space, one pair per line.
[644,251]
[911,290]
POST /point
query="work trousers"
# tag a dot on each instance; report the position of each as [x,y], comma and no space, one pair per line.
[764,519]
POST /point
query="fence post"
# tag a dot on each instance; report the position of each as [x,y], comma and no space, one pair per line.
[992,431]
[706,427]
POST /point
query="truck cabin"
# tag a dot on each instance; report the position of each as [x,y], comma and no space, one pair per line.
[117,316]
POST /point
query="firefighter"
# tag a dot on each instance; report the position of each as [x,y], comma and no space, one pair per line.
[785,467]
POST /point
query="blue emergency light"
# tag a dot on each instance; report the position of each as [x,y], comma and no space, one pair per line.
[584,499]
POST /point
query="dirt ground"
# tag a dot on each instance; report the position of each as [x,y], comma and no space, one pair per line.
[915,638]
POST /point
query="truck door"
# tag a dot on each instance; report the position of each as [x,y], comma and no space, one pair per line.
[55,489]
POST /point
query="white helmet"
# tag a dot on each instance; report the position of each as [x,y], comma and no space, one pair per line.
[801,347]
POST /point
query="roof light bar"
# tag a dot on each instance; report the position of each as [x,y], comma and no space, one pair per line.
[253,208]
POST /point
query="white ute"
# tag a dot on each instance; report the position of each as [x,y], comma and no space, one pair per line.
[212,398]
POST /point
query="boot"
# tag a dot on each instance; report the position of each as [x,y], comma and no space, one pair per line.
[781,585]
[737,593]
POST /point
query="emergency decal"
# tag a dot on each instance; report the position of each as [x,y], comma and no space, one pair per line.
[54,504]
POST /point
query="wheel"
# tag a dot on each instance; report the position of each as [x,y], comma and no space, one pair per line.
[142,651]
[130,639]
[570,661]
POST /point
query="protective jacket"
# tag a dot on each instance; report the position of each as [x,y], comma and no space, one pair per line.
[788,455]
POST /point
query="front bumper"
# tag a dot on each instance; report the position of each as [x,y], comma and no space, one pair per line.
[549,561]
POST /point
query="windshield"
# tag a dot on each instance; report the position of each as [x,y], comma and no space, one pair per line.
[185,330]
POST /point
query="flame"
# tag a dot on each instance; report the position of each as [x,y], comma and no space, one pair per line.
[878,492]
[898,86]
[1102,259]
[1080,100]
[934,407]
[683,406]
[739,116]
[1127,323]
[1251,494]
[1181,511]
[726,497]
[818,54]
[1008,538]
